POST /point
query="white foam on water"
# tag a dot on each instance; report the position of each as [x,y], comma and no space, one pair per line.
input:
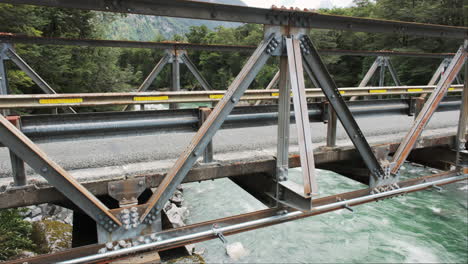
[464,188]
[415,253]
[236,250]
[435,210]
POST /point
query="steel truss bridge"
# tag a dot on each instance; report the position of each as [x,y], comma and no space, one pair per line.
[139,219]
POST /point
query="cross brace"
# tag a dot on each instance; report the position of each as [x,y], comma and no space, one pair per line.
[429,108]
[7,52]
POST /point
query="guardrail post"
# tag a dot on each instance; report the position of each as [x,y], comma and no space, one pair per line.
[175,77]
[415,106]
[204,112]
[17,164]
[331,126]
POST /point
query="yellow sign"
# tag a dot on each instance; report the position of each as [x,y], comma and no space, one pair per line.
[61,101]
[415,90]
[378,91]
[216,96]
[342,92]
[274,94]
[150,98]
[451,88]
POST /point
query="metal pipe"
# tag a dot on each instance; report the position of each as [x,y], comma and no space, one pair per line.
[260,222]
[56,128]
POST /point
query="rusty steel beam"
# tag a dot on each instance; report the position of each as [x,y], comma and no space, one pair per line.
[24,39]
[103,99]
[43,193]
[429,108]
[30,153]
[200,232]
[245,14]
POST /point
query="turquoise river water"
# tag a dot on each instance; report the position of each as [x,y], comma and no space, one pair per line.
[423,227]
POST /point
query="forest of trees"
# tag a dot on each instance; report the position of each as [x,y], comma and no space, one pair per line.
[84,69]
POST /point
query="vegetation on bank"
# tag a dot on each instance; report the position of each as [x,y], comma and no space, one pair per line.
[85,69]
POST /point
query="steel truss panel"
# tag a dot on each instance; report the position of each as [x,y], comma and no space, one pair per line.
[200,232]
[12,38]
[429,108]
[244,14]
[206,132]
[25,149]
[296,78]
[317,67]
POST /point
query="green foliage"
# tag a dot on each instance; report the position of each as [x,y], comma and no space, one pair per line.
[85,69]
[14,234]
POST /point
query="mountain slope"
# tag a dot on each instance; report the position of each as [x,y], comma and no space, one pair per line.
[147,28]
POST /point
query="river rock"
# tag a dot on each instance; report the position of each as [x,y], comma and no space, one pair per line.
[36,218]
[176,220]
[35,212]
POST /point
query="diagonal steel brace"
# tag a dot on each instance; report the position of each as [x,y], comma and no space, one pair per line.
[429,108]
[315,64]
[206,132]
[30,153]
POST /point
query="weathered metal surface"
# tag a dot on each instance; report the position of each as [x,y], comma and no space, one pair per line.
[245,14]
[55,175]
[44,193]
[315,64]
[103,99]
[429,108]
[206,132]
[40,128]
[241,223]
[304,137]
[16,38]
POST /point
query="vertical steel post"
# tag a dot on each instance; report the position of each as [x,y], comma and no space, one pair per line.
[382,72]
[17,164]
[296,78]
[461,141]
[331,126]
[204,112]
[175,87]
[429,108]
[284,116]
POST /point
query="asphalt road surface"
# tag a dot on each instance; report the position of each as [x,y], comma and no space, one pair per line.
[118,151]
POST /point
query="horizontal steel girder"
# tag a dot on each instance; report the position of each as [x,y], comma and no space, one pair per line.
[245,222]
[25,149]
[44,193]
[53,128]
[103,99]
[244,14]
[23,39]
